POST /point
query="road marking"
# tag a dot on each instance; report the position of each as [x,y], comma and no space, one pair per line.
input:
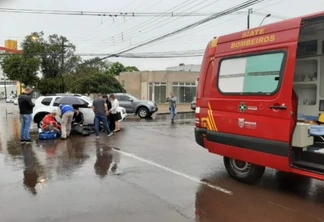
[218,188]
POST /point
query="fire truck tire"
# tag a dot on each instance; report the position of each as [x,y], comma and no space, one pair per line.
[243,171]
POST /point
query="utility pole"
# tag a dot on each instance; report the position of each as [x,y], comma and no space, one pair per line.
[5,85]
[248,18]
[62,64]
[63,46]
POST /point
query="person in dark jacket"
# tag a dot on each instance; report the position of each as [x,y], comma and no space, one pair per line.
[99,107]
[77,123]
[25,110]
[77,117]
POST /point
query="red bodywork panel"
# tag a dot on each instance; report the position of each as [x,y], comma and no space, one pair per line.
[219,113]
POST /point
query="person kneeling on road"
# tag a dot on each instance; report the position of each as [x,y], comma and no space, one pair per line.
[77,123]
[66,113]
[49,123]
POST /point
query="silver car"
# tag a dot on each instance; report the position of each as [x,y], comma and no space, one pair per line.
[142,108]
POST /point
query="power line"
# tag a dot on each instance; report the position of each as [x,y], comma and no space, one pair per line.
[154,27]
[217,15]
[150,21]
[103,14]
[166,54]
[113,23]
[125,38]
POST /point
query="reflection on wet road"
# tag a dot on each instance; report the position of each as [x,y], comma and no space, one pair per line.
[150,171]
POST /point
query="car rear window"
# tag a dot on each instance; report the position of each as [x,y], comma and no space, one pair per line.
[46,101]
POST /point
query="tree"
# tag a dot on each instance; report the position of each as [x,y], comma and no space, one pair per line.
[116,68]
[92,66]
[92,76]
[21,68]
[55,59]
[48,85]
[131,69]
[98,83]
[56,54]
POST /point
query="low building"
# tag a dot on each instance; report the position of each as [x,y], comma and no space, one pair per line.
[7,87]
[157,85]
[185,67]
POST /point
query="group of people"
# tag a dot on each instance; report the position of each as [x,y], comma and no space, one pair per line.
[72,120]
[105,109]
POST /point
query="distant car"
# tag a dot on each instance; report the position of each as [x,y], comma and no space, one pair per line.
[10,99]
[15,102]
[46,104]
[193,104]
[142,108]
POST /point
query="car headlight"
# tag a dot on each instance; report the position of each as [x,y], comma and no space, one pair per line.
[151,103]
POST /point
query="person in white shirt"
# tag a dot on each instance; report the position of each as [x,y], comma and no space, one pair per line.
[116,116]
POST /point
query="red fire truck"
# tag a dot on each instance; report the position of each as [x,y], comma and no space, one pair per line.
[258,95]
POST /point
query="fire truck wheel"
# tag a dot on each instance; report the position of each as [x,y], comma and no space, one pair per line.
[243,171]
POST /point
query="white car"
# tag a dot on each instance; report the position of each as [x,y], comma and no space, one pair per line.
[46,104]
[10,99]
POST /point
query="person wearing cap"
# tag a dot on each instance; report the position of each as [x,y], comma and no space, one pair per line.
[26,107]
[49,123]
[66,112]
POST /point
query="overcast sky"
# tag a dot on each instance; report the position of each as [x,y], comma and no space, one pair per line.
[106,35]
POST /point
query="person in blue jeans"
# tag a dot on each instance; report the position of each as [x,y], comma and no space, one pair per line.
[99,107]
[26,107]
[172,106]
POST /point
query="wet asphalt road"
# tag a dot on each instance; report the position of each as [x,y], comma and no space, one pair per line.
[150,171]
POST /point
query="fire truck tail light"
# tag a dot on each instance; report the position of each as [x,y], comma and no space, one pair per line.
[197,121]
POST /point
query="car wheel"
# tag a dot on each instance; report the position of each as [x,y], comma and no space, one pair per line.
[143,112]
[38,120]
[243,171]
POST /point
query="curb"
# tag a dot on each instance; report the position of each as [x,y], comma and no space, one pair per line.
[183,112]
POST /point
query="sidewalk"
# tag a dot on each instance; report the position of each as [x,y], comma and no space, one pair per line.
[181,108]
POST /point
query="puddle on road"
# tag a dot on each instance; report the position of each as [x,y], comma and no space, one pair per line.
[33,168]
[185,118]
[47,161]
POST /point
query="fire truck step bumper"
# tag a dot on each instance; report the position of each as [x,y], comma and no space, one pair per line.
[199,135]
